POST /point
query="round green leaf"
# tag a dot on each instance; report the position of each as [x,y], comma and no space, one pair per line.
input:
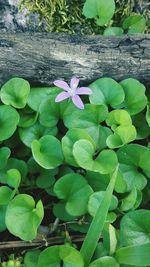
[5,195]
[106,91]
[13,178]
[129,201]
[132,178]
[137,156]
[49,112]
[104,262]
[55,255]
[105,11]
[15,92]
[68,141]
[34,132]
[9,118]
[46,178]
[31,258]
[142,128]
[18,164]
[135,228]
[135,98]
[23,217]
[113,31]
[134,24]
[47,152]
[104,163]
[4,155]
[124,132]
[2,218]
[95,201]
[61,213]
[27,117]
[97,181]
[148,114]
[90,8]
[36,95]
[88,119]
[74,189]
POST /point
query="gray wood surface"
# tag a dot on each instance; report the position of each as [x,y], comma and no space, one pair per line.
[43,57]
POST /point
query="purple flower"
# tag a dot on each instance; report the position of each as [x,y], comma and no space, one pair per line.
[72,91]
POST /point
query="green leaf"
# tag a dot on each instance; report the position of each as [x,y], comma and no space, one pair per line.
[134,255]
[15,92]
[124,132]
[23,217]
[5,195]
[27,117]
[68,141]
[136,156]
[2,218]
[9,118]
[140,123]
[97,181]
[104,262]
[110,238]
[4,155]
[134,24]
[129,201]
[148,114]
[91,240]
[74,189]
[88,119]
[135,98]
[20,165]
[90,8]
[34,132]
[46,178]
[105,11]
[35,96]
[132,177]
[13,178]
[95,201]
[135,228]
[61,213]
[49,112]
[106,91]
[104,163]
[31,258]
[55,255]
[113,31]
[47,152]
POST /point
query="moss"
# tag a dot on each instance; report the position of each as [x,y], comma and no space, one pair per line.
[66,15]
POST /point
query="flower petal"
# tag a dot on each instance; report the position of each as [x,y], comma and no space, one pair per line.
[74,83]
[61,84]
[83,91]
[62,96]
[77,101]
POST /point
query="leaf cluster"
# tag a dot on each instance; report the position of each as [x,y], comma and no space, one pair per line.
[93,166]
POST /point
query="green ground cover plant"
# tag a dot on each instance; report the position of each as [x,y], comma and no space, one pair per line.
[78,155]
[112,17]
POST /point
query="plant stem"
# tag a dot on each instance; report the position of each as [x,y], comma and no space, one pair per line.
[91,240]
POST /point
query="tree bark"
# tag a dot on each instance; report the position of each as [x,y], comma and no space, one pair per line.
[43,57]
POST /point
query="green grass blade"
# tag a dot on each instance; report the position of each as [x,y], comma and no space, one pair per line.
[96,227]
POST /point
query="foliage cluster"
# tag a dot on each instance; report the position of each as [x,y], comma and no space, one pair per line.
[60,162]
[68,15]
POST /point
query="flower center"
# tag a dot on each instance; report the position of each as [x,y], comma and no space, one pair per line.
[72,91]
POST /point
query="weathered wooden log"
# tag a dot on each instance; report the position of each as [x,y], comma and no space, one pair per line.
[43,57]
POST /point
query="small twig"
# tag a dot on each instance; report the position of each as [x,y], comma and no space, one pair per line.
[35,243]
